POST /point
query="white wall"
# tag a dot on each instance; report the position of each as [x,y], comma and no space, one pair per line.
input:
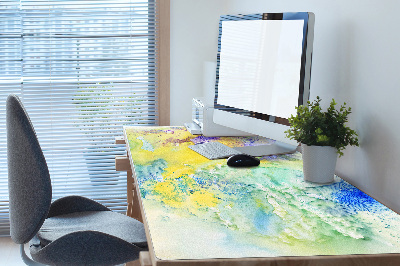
[194,41]
[356,59]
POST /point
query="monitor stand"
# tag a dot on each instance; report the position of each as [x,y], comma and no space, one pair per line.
[275,148]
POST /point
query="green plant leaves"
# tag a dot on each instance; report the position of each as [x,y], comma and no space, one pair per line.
[312,126]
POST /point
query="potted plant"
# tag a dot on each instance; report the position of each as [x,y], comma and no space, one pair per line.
[323,135]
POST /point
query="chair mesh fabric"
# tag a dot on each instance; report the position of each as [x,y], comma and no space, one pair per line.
[28,176]
[107,222]
[70,204]
[86,248]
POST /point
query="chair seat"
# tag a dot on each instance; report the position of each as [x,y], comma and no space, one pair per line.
[108,222]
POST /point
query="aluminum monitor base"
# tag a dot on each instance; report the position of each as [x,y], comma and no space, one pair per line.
[275,148]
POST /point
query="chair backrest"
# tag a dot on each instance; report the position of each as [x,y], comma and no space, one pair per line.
[29,183]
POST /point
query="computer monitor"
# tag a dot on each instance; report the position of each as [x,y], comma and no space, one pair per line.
[263,73]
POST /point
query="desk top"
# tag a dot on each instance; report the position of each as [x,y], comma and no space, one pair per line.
[197,208]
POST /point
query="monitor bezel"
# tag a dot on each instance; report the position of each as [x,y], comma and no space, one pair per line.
[306,59]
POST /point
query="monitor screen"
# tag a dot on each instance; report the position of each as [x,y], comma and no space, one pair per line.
[260,63]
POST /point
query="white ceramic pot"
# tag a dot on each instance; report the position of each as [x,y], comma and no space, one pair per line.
[319,163]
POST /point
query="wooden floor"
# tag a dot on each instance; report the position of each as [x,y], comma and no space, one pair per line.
[9,253]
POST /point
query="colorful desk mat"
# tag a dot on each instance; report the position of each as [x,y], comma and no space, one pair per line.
[198,208]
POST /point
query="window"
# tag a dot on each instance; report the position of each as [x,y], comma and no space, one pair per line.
[83,70]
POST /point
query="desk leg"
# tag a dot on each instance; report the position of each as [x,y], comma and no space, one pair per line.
[122,163]
[144,260]
[132,197]
[129,193]
[133,210]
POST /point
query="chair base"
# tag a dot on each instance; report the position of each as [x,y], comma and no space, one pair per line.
[26,259]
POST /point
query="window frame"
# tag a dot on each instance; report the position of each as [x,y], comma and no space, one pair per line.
[163,36]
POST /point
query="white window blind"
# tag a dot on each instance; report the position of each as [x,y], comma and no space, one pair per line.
[83,69]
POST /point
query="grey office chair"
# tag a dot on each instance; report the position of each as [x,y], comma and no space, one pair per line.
[70,231]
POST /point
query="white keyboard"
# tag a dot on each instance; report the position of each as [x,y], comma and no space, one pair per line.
[214,150]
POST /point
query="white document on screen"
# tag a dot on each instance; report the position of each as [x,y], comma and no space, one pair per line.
[260,65]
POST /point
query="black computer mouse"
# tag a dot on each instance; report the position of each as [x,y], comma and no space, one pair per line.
[242,160]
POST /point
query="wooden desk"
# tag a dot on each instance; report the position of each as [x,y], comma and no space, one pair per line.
[202,212]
